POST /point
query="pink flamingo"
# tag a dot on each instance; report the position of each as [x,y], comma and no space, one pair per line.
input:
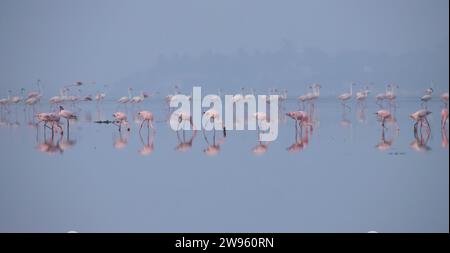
[444,98]
[383,115]
[68,115]
[52,118]
[301,117]
[444,141]
[346,96]
[444,116]
[146,116]
[421,116]
[121,118]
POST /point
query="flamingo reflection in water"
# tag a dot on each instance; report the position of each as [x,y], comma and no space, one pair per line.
[50,146]
[421,138]
[262,146]
[384,143]
[54,145]
[214,147]
[147,147]
[183,144]
[121,141]
[444,120]
[303,120]
[52,119]
[213,116]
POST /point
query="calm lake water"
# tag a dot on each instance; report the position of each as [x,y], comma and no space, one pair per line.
[344,176]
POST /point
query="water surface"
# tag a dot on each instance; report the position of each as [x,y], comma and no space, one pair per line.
[345,175]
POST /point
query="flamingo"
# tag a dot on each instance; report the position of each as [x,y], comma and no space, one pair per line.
[146,116]
[420,116]
[444,116]
[301,119]
[32,101]
[284,95]
[5,101]
[38,93]
[122,120]
[169,97]
[214,148]
[383,115]
[444,98]
[124,99]
[68,115]
[238,97]
[362,95]
[390,94]
[428,96]
[346,96]
[17,99]
[250,96]
[58,99]
[138,99]
[99,97]
[308,96]
[381,96]
[52,118]
[316,91]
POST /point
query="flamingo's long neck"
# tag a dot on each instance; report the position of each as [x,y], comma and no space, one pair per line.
[351,89]
[129,93]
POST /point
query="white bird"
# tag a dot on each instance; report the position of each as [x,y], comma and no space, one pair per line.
[137,99]
[444,97]
[124,99]
[32,100]
[238,97]
[17,99]
[99,97]
[316,90]
[390,93]
[58,99]
[68,115]
[362,95]
[36,93]
[346,96]
[428,96]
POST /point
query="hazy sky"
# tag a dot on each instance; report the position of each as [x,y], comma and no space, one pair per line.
[64,40]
